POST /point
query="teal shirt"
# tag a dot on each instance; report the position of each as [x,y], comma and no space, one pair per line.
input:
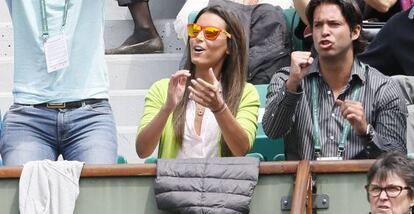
[86,77]
[246,116]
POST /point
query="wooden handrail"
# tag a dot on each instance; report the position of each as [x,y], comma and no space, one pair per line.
[10,172]
[300,190]
[117,170]
[309,208]
[346,166]
[266,168]
[279,167]
[133,170]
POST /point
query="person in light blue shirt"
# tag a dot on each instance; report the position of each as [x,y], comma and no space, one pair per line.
[60,84]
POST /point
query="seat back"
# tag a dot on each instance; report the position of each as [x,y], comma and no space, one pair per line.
[121,160]
[151,160]
[371,29]
[292,19]
[270,149]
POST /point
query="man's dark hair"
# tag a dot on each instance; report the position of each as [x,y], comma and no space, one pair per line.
[352,14]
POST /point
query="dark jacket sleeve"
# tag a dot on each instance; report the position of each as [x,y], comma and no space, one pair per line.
[380,53]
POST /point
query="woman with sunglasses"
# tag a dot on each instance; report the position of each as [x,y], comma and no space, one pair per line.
[208,110]
[391,184]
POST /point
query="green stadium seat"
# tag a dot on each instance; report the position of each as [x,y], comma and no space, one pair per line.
[292,19]
[121,160]
[151,160]
[268,148]
[279,157]
[256,155]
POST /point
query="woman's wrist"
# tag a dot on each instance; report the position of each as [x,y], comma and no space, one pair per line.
[167,109]
[219,110]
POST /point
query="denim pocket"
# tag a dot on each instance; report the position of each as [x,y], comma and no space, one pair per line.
[100,107]
[16,107]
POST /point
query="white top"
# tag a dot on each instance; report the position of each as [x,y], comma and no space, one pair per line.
[204,145]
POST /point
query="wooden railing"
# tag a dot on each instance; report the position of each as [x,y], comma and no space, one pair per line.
[119,170]
[131,170]
[348,166]
[302,188]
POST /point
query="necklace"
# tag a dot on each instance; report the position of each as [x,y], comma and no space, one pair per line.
[200,110]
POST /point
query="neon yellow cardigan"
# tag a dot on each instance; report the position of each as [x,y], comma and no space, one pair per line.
[157,95]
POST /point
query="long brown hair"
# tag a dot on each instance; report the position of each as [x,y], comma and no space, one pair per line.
[233,72]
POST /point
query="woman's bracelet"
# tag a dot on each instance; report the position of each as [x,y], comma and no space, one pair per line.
[223,108]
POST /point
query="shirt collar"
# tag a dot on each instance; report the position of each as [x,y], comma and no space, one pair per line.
[358,70]
[314,67]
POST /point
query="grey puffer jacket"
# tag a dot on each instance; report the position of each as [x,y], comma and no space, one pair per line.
[213,185]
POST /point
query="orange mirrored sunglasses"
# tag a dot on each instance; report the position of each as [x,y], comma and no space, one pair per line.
[210,32]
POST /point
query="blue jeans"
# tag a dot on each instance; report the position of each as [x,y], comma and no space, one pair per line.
[85,134]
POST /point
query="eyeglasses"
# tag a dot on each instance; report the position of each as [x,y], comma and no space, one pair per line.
[210,32]
[392,191]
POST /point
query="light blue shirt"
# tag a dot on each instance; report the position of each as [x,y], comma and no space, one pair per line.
[86,77]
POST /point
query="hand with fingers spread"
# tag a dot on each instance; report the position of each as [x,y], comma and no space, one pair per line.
[299,66]
[207,94]
[176,88]
[353,111]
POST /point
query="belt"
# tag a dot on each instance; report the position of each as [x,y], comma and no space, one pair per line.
[74,104]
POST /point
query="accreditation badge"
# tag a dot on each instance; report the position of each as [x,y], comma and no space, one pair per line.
[56,53]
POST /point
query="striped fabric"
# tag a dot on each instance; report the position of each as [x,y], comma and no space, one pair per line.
[288,115]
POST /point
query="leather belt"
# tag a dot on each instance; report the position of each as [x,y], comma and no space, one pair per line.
[74,104]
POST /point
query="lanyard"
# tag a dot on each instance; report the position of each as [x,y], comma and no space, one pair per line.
[315,118]
[45,27]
